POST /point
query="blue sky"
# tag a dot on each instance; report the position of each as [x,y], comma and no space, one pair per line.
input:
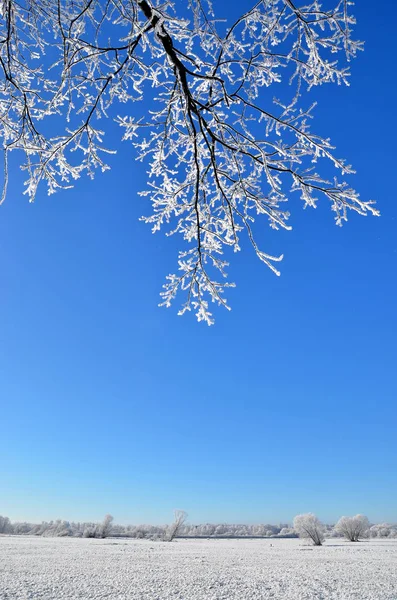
[287,405]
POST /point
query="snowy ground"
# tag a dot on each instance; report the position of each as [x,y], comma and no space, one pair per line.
[60,568]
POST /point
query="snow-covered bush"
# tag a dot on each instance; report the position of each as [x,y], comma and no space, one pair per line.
[309,527]
[105,528]
[383,530]
[287,532]
[5,525]
[352,528]
[89,532]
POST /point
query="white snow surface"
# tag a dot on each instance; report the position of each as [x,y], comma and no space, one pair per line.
[120,569]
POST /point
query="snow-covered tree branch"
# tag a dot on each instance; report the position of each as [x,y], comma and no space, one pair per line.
[219,153]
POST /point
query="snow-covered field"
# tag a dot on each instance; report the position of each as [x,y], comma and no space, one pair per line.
[59,568]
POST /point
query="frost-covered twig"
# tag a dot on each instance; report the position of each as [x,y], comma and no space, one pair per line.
[219,154]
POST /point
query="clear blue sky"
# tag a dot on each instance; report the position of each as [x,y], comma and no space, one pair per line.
[287,405]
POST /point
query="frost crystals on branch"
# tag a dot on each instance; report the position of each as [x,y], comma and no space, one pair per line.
[219,153]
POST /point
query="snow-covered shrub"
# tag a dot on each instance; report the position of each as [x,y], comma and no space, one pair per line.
[5,525]
[309,527]
[352,528]
[105,528]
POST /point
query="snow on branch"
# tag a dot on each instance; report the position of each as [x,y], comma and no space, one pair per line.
[219,154]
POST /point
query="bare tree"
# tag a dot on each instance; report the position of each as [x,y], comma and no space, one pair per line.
[309,527]
[219,153]
[172,530]
[352,528]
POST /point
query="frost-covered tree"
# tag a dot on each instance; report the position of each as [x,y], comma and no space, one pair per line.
[219,152]
[90,531]
[383,530]
[172,530]
[287,531]
[352,528]
[309,527]
[106,526]
[5,525]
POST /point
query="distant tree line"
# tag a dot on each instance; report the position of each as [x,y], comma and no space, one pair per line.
[306,526]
